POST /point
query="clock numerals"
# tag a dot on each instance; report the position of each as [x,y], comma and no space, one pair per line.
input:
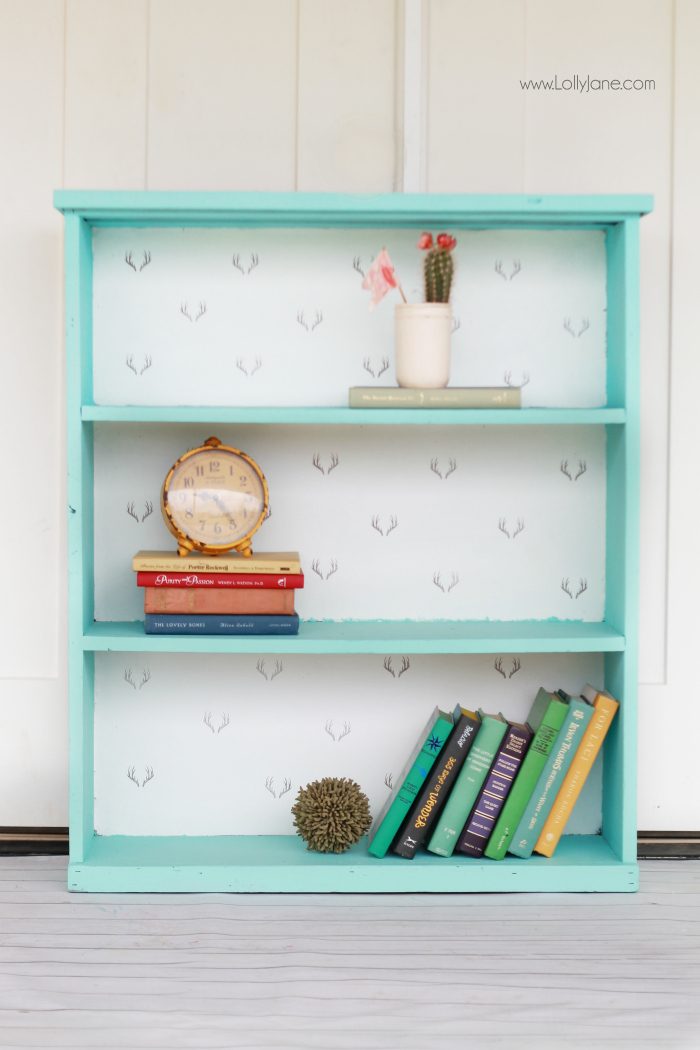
[189,514]
[214,466]
[188,483]
[199,471]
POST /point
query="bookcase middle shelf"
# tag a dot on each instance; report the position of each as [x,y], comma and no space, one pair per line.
[374,636]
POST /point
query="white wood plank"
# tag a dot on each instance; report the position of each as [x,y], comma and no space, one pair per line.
[105,94]
[222,95]
[344,972]
[475,134]
[347,73]
[31,118]
[617,142]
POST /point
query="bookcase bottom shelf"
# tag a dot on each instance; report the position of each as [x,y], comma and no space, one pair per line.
[281,864]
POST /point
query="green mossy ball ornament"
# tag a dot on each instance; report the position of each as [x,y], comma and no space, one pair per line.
[332,814]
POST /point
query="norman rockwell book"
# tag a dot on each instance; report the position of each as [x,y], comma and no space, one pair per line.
[410,780]
[604,709]
[493,794]
[432,798]
[217,600]
[168,561]
[547,786]
[546,718]
[460,801]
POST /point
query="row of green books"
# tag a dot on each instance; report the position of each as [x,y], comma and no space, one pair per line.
[480,785]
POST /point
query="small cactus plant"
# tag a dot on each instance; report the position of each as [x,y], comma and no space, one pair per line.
[438,267]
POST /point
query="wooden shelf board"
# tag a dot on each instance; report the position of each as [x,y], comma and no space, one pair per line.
[281,863]
[321,415]
[374,636]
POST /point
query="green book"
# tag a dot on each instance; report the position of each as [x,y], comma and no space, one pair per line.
[578,715]
[409,782]
[546,717]
[468,784]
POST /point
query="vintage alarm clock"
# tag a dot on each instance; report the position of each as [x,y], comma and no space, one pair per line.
[214,498]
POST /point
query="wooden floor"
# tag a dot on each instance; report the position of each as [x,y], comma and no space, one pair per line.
[350,972]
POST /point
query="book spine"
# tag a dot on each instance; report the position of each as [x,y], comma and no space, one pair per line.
[499,781]
[466,787]
[218,600]
[222,566]
[233,580]
[521,792]
[155,623]
[385,834]
[371,397]
[425,810]
[542,798]
[586,753]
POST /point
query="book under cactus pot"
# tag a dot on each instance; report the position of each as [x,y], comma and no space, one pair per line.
[331,814]
[423,331]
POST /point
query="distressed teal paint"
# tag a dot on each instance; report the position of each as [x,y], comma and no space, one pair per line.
[78,276]
[622,537]
[364,416]
[375,636]
[282,864]
[604,862]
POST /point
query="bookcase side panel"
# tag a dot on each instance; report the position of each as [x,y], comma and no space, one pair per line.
[622,534]
[78,269]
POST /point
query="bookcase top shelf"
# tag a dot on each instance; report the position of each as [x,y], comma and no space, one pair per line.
[375,636]
[322,415]
[173,208]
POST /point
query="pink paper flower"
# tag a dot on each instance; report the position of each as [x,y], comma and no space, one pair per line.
[426,241]
[444,240]
[380,277]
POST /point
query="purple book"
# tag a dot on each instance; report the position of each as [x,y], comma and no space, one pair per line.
[504,769]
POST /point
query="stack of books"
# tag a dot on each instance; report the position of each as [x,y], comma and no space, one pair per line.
[479,785]
[226,594]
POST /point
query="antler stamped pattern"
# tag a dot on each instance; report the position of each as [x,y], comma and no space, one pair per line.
[133,513]
[246,368]
[244,268]
[261,668]
[129,260]
[377,525]
[316,461]
[396,672]
[443,586]
[582,468]
[435,467]
[309,325]
[131,774]
[332,569]
[516,530]
[515,269]
[567,587]
[498,666]
[337,735]
[270,786]
[508,379]
[131,364]
[576,330]
[375,370]
[224,721]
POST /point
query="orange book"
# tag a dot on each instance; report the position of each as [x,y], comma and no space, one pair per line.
[216,600]
[604,708]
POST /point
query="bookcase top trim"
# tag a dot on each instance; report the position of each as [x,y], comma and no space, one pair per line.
[337,209]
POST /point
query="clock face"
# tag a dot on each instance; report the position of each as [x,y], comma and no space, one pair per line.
[215,497]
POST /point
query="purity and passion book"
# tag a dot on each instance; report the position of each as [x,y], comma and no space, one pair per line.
[428,746]
[262,562]
[426,809]
[288,581]
[440,397]
[178,623]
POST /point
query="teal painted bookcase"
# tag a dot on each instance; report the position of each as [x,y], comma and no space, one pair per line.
[601,862]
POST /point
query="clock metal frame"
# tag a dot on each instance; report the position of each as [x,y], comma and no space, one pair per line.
[185,543]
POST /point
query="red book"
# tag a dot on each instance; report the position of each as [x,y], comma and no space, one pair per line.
[217,600]
[233,580]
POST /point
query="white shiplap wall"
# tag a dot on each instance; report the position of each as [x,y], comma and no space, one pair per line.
[308,95]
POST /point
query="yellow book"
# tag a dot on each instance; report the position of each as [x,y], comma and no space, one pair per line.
[262,562]
[604,708]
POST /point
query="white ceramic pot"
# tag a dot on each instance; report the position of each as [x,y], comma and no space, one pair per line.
[423,335]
